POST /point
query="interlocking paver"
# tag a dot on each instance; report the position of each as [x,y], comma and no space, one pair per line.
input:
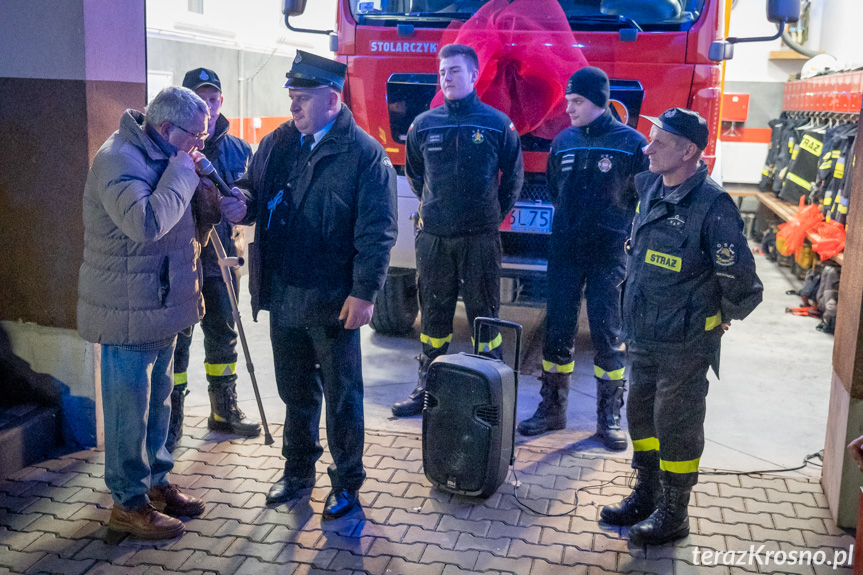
[101,551]
[444,539]
[641,564]
[56,508]
[453,570]
[805,511]
[253,566]
[346,560]
[212,545]
[357,545]
[726,502]
[169,559]
[108,569]
[762,534]
[760,519]
[18,561]
[59,546]
[392,532]
[424,520]
[448,523]
[552,536]
[56,564]
[708,527]
[61,527]
[17,540]
[319,558]
[576,556]
[435,554]
[497,546]
[490,562]
[206,562]
[807,499]
[409,551]
[395,489]
[222,511]
[508,516]
[246,548]
[528,534]
[552,553]
[253,532]
[817,540]
[398,566]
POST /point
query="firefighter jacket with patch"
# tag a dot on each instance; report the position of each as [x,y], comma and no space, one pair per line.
[590,176]
[230,157]
[689,268]
[464,164]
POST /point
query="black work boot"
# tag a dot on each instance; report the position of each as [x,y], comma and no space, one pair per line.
[609,400]
[175,428]
[670,520]
[413,405]
[225,414]
[551,413]
[638,505]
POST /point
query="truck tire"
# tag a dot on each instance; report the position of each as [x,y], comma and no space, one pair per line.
[396,306]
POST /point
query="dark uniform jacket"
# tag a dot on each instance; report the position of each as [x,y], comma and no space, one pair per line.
[590,176]
[464,164]
[338,242]
[689,267]
[230,156]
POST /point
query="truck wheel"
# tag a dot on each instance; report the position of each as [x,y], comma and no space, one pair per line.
[396,306]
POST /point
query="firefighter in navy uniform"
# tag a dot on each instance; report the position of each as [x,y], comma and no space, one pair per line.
[591,170]
[464,163]
[689,273]
[230,156]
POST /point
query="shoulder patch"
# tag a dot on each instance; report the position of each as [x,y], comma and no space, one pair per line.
[511,126]
[725,255]
[386,162]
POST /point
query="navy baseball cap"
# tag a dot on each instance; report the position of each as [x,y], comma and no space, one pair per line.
[312,71]
[684,123]
[200,77]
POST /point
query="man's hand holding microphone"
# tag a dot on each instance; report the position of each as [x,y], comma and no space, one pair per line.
[233,202]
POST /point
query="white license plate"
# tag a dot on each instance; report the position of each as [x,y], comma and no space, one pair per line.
[529,218]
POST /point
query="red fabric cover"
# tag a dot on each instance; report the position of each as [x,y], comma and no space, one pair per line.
[828,239]
[794,231]
[526,55]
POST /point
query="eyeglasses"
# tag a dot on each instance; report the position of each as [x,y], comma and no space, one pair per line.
[201,137]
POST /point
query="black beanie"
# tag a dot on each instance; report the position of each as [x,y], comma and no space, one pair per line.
[592,83]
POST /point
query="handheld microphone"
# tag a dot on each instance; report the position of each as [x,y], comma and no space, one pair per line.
[205,168]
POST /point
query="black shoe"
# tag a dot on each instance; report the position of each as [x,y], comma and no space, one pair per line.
[609,400]
[668,523]
[638,505]
[175,428]
[413,405]
[339,502]
[288,487]
[225,414]
[550,415]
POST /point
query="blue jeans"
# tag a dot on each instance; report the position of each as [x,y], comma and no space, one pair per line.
[136,387]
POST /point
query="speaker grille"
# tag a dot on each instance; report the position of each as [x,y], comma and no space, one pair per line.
[489,414]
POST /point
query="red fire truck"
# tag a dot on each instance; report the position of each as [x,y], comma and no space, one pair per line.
[656,52]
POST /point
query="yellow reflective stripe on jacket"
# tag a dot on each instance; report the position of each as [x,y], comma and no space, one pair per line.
[220,368]
[435,342]
[647,444]
[764,172]
[690,466]
[798,180]
[483,346]
[713,321]
[638,208]
[843,207]
[615,375]
[812,145]
[557,368]
[181,378]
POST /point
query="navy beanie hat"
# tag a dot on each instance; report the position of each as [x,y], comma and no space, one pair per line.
[592,83]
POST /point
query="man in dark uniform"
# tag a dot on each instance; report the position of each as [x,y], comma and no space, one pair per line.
[230,156]
[464,164]
[688,274]
[591,170]
[323,194]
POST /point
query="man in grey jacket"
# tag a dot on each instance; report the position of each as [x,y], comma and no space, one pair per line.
[138,287]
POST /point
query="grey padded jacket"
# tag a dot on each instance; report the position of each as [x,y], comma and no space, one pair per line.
[140,282]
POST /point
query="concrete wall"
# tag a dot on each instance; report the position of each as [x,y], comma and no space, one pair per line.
[68,71]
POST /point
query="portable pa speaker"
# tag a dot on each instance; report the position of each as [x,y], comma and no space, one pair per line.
[469,419]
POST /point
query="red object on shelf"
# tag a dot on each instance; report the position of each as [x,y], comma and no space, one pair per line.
[735,107]
[832,93]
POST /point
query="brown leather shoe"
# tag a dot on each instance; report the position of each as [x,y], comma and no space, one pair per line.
[169,500]
[145,522]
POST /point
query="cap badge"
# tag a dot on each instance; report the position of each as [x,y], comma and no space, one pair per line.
[298,59]
[478,138]
[204,76]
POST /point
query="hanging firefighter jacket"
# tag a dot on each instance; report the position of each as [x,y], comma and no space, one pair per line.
[803,167]
[768,172]
[838,144]
[789,139]
[838,193]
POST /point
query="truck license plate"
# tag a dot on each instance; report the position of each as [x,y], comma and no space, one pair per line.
[529,218]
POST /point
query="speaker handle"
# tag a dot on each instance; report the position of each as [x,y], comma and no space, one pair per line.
[490,321]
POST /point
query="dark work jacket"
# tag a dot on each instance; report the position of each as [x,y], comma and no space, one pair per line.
[689,267]
[230,156]
[464,164]
[591,180]
[339,242]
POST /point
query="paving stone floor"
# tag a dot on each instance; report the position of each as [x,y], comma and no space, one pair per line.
[53,519]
